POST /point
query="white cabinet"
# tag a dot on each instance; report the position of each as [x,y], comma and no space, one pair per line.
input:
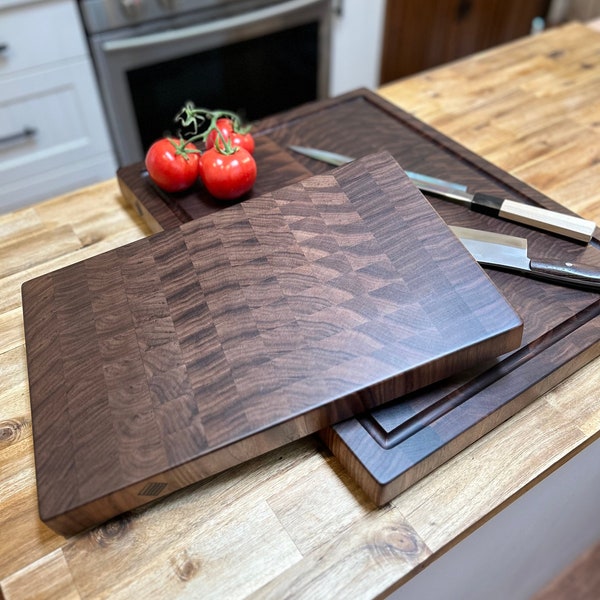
[53,133]
[357,33]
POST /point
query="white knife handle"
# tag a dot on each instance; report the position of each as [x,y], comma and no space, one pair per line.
[549,220]
[566,225]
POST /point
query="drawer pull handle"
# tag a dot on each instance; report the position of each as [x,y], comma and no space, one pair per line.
[13,138]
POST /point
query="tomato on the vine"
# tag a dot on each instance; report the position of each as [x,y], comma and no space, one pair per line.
[227,176]
[228,132]
[243,140]
[172,164]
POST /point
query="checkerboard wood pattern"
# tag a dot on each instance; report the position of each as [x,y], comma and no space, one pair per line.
[177,356]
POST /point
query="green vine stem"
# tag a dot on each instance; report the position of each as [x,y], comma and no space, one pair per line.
[180,148]
[196,118]
[223,146]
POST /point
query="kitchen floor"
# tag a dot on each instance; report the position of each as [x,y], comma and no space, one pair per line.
[579,581]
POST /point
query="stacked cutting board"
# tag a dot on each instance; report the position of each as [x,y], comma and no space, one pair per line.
[327,298]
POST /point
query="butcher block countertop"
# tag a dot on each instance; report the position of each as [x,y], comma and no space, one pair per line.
[292,523]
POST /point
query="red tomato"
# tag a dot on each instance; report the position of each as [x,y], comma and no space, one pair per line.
[243,140]
[226,127]
[227,176]
[171,165]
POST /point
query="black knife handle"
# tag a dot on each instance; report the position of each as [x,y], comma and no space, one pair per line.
[486,204]
[586,275]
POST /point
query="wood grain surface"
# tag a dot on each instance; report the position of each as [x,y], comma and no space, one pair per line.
[176,357]
[391,448]
[292,523]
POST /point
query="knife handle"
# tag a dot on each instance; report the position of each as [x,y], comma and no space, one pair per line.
[567,225]
[584,275]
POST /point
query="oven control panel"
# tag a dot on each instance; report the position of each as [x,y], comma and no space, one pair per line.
[107,15]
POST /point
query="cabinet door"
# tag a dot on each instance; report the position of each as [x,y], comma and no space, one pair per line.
[39,34]
[52,134]
[419,35]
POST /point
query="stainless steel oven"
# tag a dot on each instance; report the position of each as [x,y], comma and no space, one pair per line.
[255,57]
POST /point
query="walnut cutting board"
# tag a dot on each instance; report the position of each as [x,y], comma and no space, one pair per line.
[390,448]
[173,358]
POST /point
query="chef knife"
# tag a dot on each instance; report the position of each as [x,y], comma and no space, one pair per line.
[566,225]
[510,252]
[335,159]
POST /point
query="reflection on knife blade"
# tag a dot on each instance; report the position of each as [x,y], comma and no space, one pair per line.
[548,220]
[333,158]
[510,252]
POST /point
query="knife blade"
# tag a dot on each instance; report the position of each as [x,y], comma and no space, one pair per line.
[335,159]
[509,252]
[569,226]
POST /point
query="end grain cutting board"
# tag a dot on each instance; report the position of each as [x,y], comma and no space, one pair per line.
[162,362]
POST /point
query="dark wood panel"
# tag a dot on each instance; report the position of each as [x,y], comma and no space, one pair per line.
[422,35]
[175,357]
[391,448]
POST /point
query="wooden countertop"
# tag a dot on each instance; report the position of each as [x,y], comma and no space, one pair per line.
[292,523]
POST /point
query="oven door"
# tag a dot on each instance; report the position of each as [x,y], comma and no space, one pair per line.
[256,63]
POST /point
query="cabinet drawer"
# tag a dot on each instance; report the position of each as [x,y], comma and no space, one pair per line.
[64,121]
[33,35]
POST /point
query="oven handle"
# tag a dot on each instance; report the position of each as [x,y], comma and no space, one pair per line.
[176,35]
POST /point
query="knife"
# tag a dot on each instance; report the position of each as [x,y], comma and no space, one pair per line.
[566,225]
[509,252]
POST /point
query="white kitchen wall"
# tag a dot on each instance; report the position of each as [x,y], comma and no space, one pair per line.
[357,35]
